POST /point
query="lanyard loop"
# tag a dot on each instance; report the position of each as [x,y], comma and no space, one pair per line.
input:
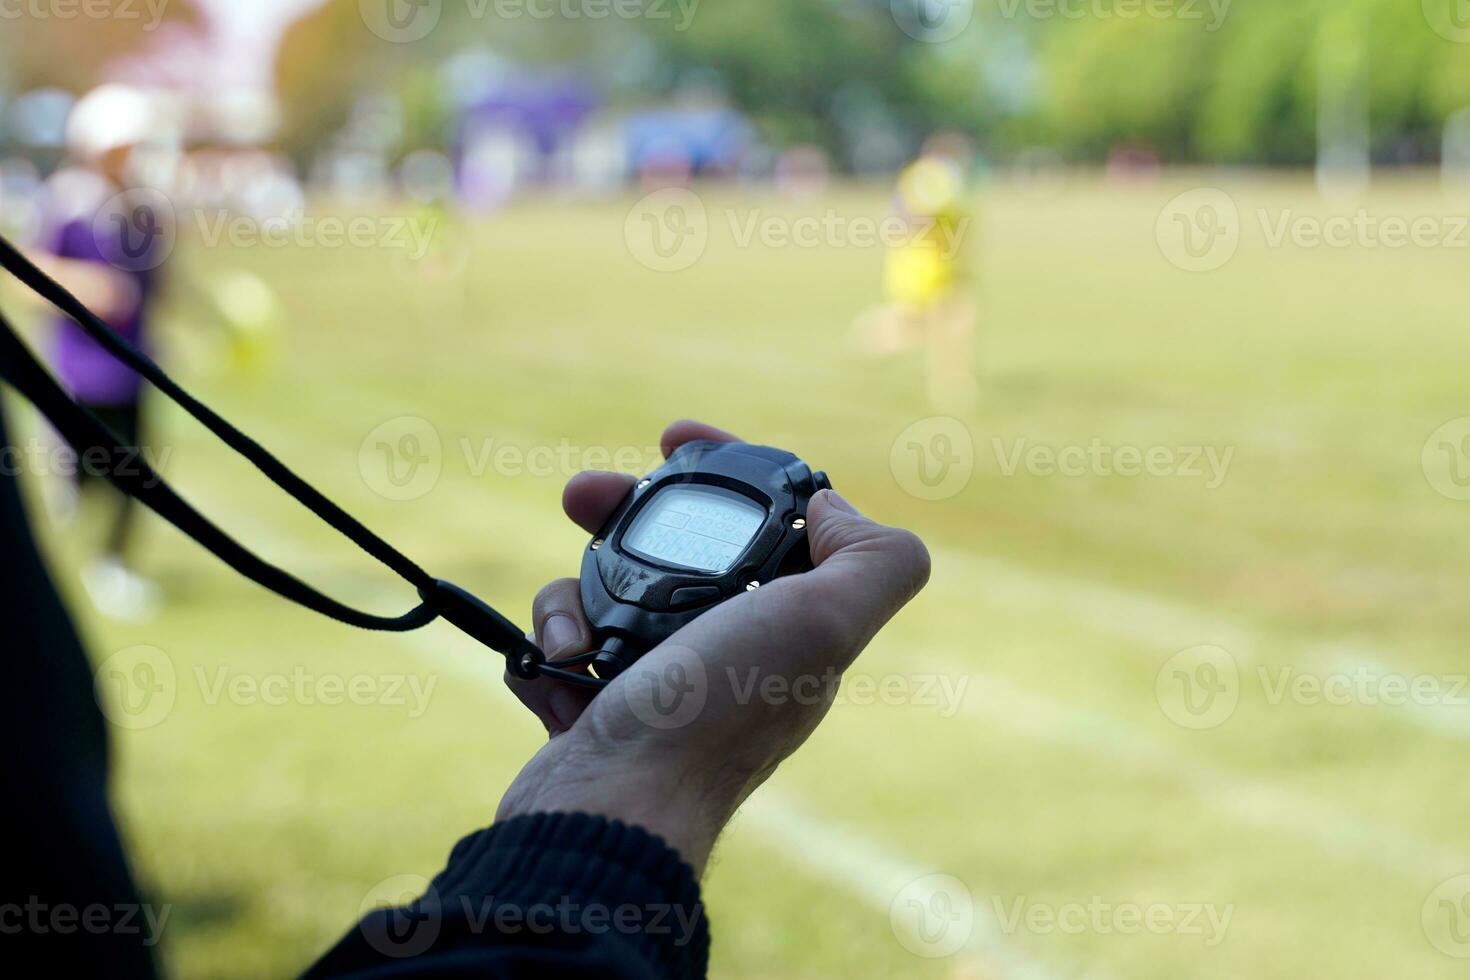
[132,475]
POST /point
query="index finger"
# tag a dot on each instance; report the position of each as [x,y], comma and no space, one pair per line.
[591,496]
[688,430]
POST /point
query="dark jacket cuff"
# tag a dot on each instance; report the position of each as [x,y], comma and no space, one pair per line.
[572,881]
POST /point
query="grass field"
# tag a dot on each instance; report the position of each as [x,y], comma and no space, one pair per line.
[1057,783]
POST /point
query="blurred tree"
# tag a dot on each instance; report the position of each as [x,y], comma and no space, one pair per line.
[39,51]
[1248,91]
[1243,89]
[326,60]
[1125,80]
[803,69]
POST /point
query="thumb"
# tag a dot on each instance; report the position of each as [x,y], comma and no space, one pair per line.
[817,620]
[865,572]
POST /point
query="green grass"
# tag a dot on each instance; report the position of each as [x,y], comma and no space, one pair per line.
[1056,600]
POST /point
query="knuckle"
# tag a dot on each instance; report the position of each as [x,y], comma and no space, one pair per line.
[560,597]
[824,618]
[911,558]
[554,595]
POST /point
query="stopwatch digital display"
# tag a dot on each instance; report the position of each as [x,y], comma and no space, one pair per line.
[717,519]
[703,528]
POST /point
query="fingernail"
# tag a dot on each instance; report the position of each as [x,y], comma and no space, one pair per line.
[837,500]
[560,633]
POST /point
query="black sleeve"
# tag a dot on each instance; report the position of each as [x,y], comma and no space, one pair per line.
[67,898]
[547,895]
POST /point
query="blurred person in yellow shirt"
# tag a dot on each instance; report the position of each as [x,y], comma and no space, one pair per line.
[929,303]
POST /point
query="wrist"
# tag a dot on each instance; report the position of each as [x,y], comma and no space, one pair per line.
[680,801]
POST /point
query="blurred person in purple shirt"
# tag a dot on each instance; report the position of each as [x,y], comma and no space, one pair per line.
[104,241]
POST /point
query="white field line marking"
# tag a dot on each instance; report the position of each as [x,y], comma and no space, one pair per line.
[876,874]
[1178,626]
[1252,800]
[1258,802]
[871,871]
[1108,609]
[1449,714]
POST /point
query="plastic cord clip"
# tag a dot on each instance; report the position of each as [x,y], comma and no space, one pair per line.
[475,617]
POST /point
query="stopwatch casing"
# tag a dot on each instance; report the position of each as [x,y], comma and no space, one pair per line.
[686,538]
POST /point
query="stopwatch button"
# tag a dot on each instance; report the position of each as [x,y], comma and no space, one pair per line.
[819,478]
[607,666]
[694,595]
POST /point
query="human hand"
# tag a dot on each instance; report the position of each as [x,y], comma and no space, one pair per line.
[109,293]
[680,739]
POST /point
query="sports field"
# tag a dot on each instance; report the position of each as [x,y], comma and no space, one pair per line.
[1096,806]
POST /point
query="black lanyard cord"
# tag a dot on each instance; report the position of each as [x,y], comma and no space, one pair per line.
[24,270]
[130,473]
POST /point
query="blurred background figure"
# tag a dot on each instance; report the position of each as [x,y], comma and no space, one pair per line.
[249,315]
[930,305]
[105,242]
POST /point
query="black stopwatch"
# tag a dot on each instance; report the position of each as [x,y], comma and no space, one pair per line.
[717,519]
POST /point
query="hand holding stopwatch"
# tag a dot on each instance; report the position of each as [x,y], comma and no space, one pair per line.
[717,519]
